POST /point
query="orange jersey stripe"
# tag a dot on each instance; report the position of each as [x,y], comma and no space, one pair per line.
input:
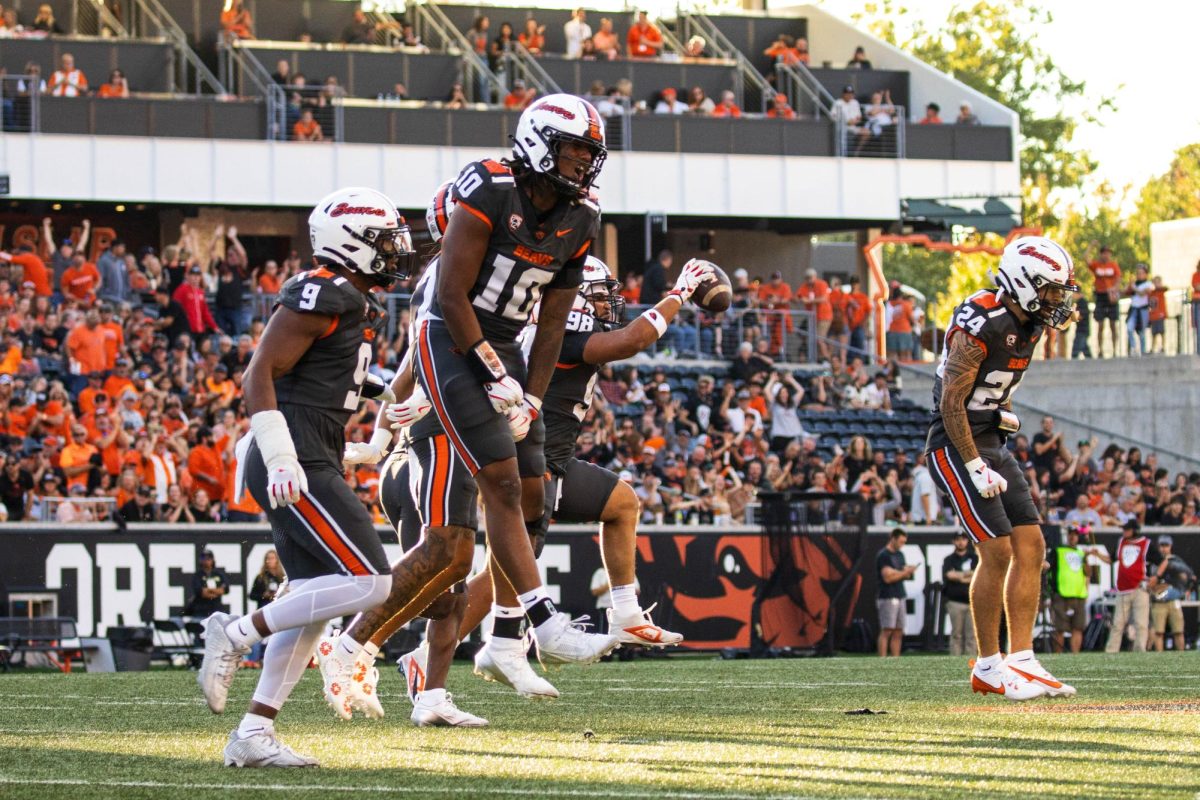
[437,494]
[960,495]
[435,397]
[476,212]
[330,537]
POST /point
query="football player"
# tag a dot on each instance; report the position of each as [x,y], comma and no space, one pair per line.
[307,375]
[988,348]
[521,232]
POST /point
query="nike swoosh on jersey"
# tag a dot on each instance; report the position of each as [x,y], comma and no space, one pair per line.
[561,234]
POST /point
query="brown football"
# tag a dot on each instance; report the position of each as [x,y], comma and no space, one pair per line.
[715,294]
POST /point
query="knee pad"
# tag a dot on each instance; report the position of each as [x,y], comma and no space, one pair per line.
[537,534]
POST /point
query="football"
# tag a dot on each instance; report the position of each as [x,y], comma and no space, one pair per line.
[715,294]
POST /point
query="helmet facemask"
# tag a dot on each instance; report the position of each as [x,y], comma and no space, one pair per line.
[565,185]
[395,259]
[1054,312]
[605,292]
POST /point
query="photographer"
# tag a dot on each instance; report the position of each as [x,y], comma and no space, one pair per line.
[1170,583]
[209,585]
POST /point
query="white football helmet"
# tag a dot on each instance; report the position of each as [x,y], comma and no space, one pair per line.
[600,286]
[437,216]
[550,122]
[361,230]
[1039,275]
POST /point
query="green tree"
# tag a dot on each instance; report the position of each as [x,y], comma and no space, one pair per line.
[1173,195]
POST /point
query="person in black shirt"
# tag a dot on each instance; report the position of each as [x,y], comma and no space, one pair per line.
[1046,444]
[172,320]
[209,585]
[957,570]
[892,572]
[231,287]
[15,486]
[654,279]
[141,507]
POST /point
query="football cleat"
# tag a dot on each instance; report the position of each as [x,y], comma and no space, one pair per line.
[640,629]
[412,667]
[221,661]
[365,696]
[509,664]
[263,749]
[566,642]
[1032,670]
[1003,681]
[438,709]
[338,677]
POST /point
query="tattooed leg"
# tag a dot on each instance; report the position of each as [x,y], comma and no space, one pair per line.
[417,579]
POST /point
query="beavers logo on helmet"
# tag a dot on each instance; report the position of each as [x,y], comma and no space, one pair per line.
[553,109]
[346,208]
[1030,250]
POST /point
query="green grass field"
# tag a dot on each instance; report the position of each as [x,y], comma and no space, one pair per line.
[671,729]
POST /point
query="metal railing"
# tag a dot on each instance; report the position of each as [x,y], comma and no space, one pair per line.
[148,19]
[753,85]
[519,64]
[872,138]
[238,68]
[617,112]
[805,93]
[480,84]
[94,18]
[792,335]
[20,103]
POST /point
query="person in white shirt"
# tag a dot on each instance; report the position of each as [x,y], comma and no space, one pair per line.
[742,417]
[876,395]
[577,30]
[1083,515]
[846,107]
[669,104]
[1139,310]
[924,509]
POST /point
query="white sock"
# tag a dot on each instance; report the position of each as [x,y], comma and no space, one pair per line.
[371,649]
[1021,655]
[987,663]
[431,697]
[242,632]
[254,723]
[347,649]
[625,602]
[533,597]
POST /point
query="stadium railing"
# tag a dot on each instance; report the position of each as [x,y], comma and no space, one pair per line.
[20,109]
[792,334]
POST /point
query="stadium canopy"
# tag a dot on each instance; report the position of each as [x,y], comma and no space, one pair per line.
[984,214]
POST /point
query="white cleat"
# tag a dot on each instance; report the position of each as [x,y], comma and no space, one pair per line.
[263,749]
[508,664]
[221,661]
[365,696]
[1003,681]
[338,677]
[566,642]
[412,666]
[640,629]
[1032,671]
[436,708]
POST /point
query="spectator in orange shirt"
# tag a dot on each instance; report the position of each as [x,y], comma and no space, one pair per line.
[120,381]
[114,335]
[814,294]
[932,115]
[776,296]
[726,108]
[206,466]
[77,460]
[645,40]
[117,86]
[85,345]
[307,129]
[236,21]
[519,97]
[858,310]
[1107,275]
[533,37]
[605,41]
[270,280]
[81,281]
[900,324]
[780,109]
[1196,301]
[67,81]
[1158,316]
[32,269]
[86,401]
[783,50]
[839,328]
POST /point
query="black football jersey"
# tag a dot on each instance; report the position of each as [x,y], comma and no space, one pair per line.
[1009,347]
[570,392]
[526,254]
[330,375]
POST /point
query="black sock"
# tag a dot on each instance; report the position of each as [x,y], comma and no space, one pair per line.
[541,611]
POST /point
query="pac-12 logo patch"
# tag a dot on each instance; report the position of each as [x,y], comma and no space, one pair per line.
[1011,341]
[515,221]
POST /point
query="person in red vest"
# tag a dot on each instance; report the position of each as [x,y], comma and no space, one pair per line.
[190,295]
[1132,600]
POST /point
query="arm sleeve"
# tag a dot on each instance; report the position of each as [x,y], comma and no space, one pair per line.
[573,346]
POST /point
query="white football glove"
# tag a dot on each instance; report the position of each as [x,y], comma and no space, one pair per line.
[504,393]
[988,482]
[368,452]
[285,477]
[521,417]
[694,273]
[285,481]
[403,415]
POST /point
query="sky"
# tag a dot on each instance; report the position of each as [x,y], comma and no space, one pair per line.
[1142,54]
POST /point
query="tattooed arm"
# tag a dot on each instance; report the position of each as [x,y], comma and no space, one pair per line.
[958,379]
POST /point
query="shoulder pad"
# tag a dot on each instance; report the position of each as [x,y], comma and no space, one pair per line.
[591,200]
[319,291]
[482,173]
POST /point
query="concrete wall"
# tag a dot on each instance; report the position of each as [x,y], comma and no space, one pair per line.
[1175,250]
[760,252]
[1150,400]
